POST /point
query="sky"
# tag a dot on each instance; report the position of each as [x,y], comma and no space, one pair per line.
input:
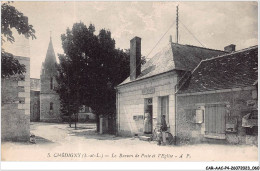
[214,24]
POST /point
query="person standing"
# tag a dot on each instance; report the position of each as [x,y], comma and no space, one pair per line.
[163,129]
[147,122]
[164,124]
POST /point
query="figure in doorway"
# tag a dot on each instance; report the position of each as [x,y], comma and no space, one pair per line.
[164,125]
[147,122]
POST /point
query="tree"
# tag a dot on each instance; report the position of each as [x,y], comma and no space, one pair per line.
[89,70]
[72,68]
[12,18]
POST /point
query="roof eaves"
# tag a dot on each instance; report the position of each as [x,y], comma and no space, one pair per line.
[144,78]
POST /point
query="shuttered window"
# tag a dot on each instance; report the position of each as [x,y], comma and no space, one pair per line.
[215,119]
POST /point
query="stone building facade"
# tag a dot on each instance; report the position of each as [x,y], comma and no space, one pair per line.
[149,92]
[35,99]
[15,108]
[218,101]
[49,99]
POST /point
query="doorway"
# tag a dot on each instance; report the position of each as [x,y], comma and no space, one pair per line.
[148,116]
[215,120]
[165,108]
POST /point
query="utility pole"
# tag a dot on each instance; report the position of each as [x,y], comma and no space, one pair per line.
[177,23]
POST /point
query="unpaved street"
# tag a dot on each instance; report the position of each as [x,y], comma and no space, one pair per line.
[59,142]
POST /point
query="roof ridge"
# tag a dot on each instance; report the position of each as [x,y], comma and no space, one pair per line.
[198,47]
[232,53]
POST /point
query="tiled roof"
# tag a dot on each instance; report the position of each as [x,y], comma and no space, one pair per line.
[234,70]
[174,57]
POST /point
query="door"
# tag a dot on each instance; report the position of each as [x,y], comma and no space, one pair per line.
[165,108]
[148,116]
[215,120]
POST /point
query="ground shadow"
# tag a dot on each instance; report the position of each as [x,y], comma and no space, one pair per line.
[93,134]
[41,140]
[38,141]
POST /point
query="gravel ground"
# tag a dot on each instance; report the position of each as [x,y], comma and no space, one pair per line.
[59,142]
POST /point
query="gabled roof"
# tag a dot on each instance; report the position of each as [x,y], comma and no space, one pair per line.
[174,57]
[235,70]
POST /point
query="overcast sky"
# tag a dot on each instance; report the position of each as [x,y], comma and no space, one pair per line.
[215,24]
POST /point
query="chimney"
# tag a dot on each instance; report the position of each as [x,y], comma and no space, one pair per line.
[135,58]
[170,39]
[230,48]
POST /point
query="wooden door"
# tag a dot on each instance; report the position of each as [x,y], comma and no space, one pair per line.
[215,119]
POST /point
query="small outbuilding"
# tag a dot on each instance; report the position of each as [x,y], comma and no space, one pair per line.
[217,101]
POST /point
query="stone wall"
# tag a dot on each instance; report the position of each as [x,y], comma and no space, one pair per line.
[188,132]
[15,108]
[46,115]
[130,102]
[47,96]
[35,106]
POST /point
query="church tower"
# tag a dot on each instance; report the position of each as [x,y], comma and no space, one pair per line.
[49,99]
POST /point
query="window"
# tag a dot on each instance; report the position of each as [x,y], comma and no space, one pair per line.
[51,106]
[51,83]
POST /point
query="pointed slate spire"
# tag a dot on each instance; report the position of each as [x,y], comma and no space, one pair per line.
[50,55]
[50,59]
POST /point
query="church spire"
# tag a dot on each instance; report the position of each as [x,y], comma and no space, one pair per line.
[50,55]
[48,66]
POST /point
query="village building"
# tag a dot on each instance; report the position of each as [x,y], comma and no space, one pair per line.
[85,114]
[217,101]
[149,92]
[35,87]
[15,108]
[49,99]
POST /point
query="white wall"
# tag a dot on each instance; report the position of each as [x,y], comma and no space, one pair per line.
[131,102]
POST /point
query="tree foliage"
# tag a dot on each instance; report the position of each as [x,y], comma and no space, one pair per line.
[12,18]
[10,65]
[89,70]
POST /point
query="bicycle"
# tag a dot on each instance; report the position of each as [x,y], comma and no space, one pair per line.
[154,136]
[157,136]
